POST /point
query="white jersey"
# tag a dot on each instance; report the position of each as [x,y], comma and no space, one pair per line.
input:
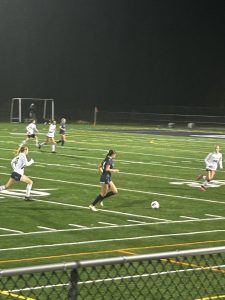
[19,162]
[31,129]
[212,161]
[51,131]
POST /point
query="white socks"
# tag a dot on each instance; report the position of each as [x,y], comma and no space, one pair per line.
[28,189]
[2,188]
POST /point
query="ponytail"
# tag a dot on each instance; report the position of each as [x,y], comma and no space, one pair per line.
[20,149]
[111,152]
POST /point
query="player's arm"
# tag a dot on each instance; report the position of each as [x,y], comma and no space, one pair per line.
[221,162]
[28,163]
[100,168]
[111,169]
[208,160]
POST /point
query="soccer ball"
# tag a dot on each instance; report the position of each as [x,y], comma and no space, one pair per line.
[155,204]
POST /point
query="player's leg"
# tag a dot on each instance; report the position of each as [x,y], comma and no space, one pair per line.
[209,176]
[113,191]
[9,183]
[53,142]
[29,183]
[36,141]
[100,197]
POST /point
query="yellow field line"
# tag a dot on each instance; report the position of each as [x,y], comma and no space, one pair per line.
[211,297]
[123,250]
[15,295]
[194,265]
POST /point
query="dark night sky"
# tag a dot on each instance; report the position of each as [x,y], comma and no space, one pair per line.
[113,54]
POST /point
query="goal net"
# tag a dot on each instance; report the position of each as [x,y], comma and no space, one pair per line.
[26,109]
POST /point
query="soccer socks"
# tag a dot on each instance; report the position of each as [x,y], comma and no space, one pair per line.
[28,189]
[97,199]
[53,148]
[61,141]
[110,193]
[2,188]
[22,143]
[205,183]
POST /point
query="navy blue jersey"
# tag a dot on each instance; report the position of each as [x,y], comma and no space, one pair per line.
[107,161]
[62,128]
[106,175]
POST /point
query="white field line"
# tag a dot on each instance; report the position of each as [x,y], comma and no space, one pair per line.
[110,227]
[110,224]
[103,227]
[128,190]
[112,240]
[78,226]
[47,228]
[117,278]
[214,216]
[11,230]
[135,221]
[189,218]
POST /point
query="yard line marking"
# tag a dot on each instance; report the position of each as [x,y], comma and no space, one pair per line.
[110,251]
[47,228]
[211,297]
[215,216]
[7,293]
[111,240]
[109,227]
[105,223]
[130,190]
[191,218]
[112,279]
[11,230]
[139,222]
[76,225]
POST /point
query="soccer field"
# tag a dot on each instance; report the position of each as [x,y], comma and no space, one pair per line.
[58,226]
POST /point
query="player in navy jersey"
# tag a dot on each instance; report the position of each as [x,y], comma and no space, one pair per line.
[62,132]
[18,163]
[108,188]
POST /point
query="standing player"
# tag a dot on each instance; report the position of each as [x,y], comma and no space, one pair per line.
[106,167]
[18,163]
[31,133]
[50,137]
[62,132]
[212,161]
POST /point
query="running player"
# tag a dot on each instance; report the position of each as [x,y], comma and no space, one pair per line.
[212,161]
[18,163]
[106,167]
[50,137]
[31,133]
[62,132]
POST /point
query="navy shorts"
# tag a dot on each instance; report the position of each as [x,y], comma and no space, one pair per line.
[16,176]
[105,178]
[31,136]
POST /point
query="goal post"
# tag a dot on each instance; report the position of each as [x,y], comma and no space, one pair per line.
[26,109]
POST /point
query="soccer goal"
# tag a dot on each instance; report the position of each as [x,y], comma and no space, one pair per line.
[26,109]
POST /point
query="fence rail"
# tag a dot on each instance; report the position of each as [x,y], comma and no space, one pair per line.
[190,274]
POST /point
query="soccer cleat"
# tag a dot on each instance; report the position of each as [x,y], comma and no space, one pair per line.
[199,177]
[93,208]
[39,146]
[26,198]
[53,151]
[202,189]
[101,203]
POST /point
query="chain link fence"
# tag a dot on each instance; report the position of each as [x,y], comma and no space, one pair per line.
[191,274]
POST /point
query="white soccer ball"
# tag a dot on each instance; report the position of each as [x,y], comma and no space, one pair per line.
[155,204]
